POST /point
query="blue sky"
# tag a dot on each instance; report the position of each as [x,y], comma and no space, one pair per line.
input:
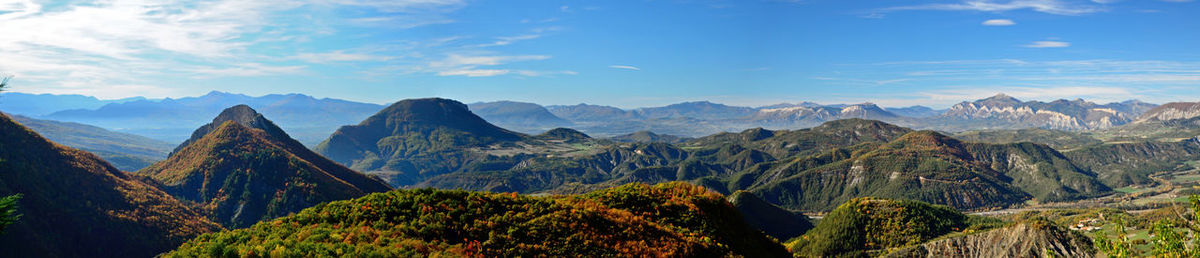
[621,53]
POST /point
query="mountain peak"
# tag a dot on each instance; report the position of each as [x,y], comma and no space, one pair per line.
[238,114]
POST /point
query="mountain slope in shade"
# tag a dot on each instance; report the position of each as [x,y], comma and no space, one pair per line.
[414,139]
[77,205]
[772,220]
[244,169]
[666,220]
[127,152]
[525,117]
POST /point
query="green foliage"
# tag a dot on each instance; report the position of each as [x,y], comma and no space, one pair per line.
[864,224]
[1118,245]
[8,211]
[632,220]
[1053,138]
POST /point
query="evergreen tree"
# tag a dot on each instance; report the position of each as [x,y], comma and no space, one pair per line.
[8,211]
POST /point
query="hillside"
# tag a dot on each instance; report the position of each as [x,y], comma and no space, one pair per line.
[1054,138]
[127,152]
[632,220]
[242,169]
[413,139]
[929,167]
[772,220]
[648,136]
[74,199]
[870,226]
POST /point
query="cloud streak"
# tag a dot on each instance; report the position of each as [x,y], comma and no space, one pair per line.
[1048,44]
[999,22]
[1057,7]
[625,67]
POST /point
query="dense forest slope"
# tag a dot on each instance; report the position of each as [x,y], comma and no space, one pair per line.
[77,205]
[632,220]
[413,139]
[241,168]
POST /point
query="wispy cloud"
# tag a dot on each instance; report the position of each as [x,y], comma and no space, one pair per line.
[479,65]
[625,67]
[246,70]
[124,42]
[338,56]
[1047,44]
[1058,7]
[999,22]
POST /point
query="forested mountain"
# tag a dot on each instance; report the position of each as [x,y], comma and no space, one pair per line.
[414,139]
[242,169]
[127,152]
[76,205]
[633,220]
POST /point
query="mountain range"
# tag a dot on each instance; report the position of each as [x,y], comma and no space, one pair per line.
[172,120]
[311,120]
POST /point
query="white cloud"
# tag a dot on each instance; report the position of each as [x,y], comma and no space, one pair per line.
[1057,7]
[1048,44]
[127,42]
[473,72]
[470,65]
[999,22]
[338,56]
[246,70]
[626,67]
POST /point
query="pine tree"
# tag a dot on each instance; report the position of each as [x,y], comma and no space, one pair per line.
[8,211]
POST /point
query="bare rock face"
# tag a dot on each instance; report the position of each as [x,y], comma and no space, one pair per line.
[1004,112]
[1036,238]
[1172,111]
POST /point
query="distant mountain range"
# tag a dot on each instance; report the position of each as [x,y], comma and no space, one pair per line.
[172,120]
[311,120]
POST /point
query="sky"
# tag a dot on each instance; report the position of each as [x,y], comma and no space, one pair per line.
[620,53]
